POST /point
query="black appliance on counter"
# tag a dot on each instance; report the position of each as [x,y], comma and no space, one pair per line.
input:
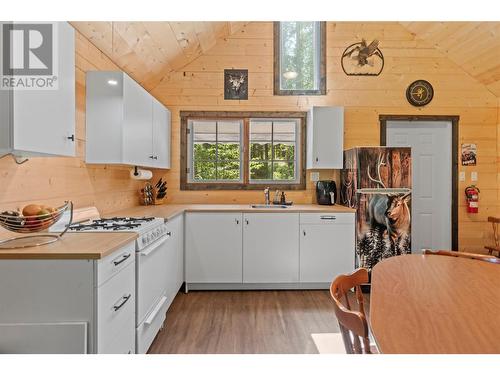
[326,192]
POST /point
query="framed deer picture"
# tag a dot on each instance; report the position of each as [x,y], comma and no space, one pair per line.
[235,84]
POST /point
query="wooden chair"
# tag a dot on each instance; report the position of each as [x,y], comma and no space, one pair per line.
[353,324]
[495,248]
[460,254]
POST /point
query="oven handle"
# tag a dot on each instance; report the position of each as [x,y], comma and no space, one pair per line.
[155,311]
[155,245]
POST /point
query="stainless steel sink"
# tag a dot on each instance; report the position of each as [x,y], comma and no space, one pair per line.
[259,206]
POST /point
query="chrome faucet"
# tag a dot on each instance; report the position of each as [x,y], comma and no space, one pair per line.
[266,196]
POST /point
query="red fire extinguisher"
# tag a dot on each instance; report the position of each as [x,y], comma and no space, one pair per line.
[472,197]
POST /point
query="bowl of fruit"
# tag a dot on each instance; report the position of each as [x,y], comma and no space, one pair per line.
[32,218]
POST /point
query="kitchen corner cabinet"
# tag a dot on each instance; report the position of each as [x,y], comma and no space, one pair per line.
[65,306]
[42,122]
[270,248]
[326,246]
[325,138]
[214,247]
[125,124]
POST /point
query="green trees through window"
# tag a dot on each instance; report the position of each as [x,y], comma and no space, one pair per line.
[216,150]
[300,58]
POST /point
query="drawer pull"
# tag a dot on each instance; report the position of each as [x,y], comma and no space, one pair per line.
[155,311]
[123,302]
[123,259]
[328,217]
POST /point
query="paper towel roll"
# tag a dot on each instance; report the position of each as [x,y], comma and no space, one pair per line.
[142,174]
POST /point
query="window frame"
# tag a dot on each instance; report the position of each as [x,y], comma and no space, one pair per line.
[245,184]
[277,63]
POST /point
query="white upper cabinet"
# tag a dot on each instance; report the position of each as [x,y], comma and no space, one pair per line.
[161,135]
[40,121]
[325,138]
[125,124]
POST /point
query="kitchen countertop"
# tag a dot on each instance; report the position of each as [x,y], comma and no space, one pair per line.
[169,211]
[98,245]
[71,246]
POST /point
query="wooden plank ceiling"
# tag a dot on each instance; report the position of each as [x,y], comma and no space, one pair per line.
[474,46]
[148,51]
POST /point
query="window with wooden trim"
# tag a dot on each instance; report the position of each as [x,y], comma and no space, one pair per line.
[242,150]
[300,58]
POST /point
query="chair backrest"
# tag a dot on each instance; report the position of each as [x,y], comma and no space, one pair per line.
[461,254]
[352,323]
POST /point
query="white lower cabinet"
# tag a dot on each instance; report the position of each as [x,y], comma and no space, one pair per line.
[326,246]
[175,258]
[270,248]
[284,250]
[213,247]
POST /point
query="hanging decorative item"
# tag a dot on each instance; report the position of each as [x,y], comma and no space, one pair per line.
[469,154]
[419,93]
[362,59]
[235,84]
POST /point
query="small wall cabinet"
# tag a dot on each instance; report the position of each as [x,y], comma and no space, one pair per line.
[325,138]
[35,122]
[125,124]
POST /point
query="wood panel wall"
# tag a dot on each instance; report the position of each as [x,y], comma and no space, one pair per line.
[200,87]
[54,180]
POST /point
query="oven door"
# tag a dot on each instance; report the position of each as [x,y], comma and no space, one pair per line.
[152,278]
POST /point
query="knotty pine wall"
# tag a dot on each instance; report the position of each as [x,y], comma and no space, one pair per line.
[199,86]
[54,180]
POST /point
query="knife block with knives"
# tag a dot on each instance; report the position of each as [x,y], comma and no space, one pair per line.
[160,192]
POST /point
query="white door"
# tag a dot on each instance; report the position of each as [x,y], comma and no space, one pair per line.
[430,143]
[161,135]
[214,248]
[271,248]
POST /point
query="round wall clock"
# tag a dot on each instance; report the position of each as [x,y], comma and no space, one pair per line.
[419,93]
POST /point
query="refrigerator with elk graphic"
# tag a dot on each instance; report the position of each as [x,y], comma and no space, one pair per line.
[376,181]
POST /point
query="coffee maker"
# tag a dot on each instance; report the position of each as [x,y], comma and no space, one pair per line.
[326,192]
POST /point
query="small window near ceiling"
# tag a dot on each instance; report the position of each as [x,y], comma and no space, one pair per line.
[300,58]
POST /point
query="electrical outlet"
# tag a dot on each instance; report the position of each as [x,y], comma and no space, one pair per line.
[473,176]
[462,176]
[314,176]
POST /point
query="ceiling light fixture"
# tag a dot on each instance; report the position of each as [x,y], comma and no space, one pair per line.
[290,75]
[112,82]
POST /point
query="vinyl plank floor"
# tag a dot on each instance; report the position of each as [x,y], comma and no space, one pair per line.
[245,322]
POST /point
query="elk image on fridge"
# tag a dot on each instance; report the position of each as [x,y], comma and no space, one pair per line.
[376,181]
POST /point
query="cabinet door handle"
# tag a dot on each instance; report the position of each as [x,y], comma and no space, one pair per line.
[123,302]
[246,221]
[328,217]
[317,159]
[123,259]
[72,138]
[304,232]
[237,221]
[155,157]
[151,157]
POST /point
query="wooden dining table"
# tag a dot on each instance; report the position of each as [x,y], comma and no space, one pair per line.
[435,304]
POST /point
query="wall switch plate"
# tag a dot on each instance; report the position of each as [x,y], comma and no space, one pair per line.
[462,176]
[473,176]
[314,176]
